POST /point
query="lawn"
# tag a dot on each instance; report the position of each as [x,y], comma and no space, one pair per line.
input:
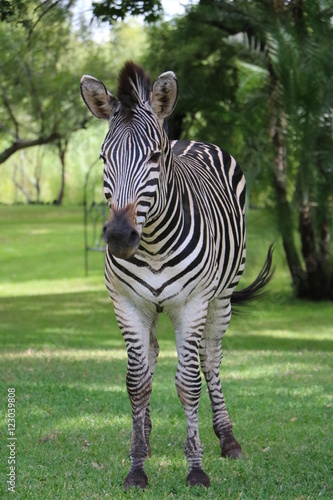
[62,352]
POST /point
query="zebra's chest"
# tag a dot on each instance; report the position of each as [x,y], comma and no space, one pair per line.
[162,283]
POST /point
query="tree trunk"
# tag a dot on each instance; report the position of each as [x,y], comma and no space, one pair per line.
[286,226]
[19,144]
[316,260]
[285,213]
[324,215]
[62,153]
[324,258]
[315,280]
[21,185]
[38,174]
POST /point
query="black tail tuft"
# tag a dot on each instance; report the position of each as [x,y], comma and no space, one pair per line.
[256,289]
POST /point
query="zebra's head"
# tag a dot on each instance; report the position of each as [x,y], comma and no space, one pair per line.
[133,151]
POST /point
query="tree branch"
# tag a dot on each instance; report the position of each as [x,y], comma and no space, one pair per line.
[42,15]
[22,144]
[11,114]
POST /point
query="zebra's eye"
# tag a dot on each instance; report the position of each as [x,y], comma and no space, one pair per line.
[154,157]
[102,157]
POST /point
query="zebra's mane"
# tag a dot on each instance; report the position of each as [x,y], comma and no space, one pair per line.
[133,86]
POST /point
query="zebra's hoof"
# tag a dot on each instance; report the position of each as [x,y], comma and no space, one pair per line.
[231,449]
[136,479]
[197,477]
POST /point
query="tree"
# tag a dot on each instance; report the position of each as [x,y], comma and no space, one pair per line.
[206,73]
[42,61]
[37,81]
[220,94]
[43,55]
[301,77]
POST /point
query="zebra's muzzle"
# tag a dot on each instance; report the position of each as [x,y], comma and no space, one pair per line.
[120,234]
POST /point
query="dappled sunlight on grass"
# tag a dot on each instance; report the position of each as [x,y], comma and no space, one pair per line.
[55,286]
[90,387]
[73,407]
[65,355]
[84,421]
[84,416]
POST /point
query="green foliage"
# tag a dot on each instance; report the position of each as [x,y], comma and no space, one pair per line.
[300,47]
[38,78]
[301,58]
[207,79]
[112,11]
[10,8]
[42,61]
[128,40]
[43,162]
[63,353]
[222,99]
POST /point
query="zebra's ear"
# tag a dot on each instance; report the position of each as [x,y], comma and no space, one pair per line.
[98,99]
[164,95]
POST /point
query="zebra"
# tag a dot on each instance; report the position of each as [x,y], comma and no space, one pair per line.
[175,244]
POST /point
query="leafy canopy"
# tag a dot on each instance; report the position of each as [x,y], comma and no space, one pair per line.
[113,10]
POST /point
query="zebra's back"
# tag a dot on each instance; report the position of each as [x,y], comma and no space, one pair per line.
[221,165]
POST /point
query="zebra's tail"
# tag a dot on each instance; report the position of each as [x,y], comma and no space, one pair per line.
[256,289]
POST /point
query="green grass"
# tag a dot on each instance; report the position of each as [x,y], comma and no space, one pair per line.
[63,353]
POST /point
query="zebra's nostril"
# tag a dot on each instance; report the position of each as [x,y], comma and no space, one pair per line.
[133,239]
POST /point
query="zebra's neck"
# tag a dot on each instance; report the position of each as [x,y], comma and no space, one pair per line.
[167,206]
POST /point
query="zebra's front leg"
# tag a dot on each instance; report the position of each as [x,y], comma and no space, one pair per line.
[139,385]
[135,325]
[219,314]
[152,358]
[189,323]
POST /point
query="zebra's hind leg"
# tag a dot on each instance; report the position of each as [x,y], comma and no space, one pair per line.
[219,314]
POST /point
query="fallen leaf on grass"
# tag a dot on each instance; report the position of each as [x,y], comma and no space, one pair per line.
[47,437]
[265,450]
[293,419]
[97,466]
